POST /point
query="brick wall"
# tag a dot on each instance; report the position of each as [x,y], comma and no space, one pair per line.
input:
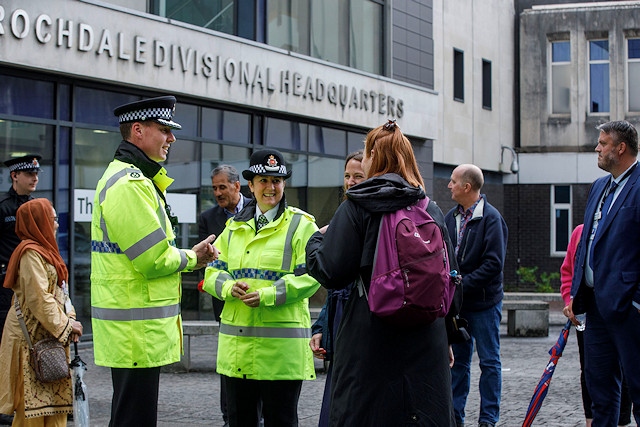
[527,213]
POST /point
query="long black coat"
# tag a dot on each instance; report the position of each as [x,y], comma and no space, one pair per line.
[383,375]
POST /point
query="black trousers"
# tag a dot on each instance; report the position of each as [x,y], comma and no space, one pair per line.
[279,401]
[135,397]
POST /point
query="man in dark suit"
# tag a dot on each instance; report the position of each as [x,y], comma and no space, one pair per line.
[606,280]
[225,181]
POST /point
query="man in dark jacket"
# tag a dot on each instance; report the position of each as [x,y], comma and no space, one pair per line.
[225,182]
[480,235]
[24,179]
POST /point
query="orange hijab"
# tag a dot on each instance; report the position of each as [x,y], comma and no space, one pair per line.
[34,225]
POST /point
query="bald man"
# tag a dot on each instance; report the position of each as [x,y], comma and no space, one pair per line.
[480,234]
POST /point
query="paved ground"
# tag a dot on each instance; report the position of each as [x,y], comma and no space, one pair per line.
[192,398]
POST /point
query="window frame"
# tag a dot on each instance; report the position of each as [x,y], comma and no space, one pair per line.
[627,75]
[487,87]
[591,62]
[554,65]
[458,75]
[553,231]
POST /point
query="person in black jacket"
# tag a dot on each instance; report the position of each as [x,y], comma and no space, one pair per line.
[383,374]
[24,179]
[480,234]
[325,327]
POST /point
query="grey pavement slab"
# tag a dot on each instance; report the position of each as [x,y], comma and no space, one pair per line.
[193,398]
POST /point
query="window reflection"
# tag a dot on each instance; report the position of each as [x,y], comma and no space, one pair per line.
[19,139]
[212,14]
[26,97]
[96,106]
[286,134]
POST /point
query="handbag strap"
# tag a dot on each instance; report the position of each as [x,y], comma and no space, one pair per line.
[22,324]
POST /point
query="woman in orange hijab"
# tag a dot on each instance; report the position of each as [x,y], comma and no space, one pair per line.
[39,278]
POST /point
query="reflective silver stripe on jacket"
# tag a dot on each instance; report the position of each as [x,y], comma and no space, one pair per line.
[222,277]
[281,292]
[103,194]
[264,332]
[147,242]
[184,260]
[288,247]
[127,314]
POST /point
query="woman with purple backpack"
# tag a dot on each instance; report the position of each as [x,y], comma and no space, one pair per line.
[325,327]
[382,374]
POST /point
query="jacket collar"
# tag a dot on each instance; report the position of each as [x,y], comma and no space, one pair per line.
[249,211]
[129,153]
[478,212]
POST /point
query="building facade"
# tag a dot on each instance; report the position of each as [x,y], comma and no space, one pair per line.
[252,74]
[579,67]
[307,77]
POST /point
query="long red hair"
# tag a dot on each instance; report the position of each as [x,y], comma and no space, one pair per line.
[393,154]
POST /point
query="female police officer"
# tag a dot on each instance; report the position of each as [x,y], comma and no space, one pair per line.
[265,324]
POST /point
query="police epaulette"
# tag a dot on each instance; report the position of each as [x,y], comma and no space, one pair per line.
[301,212]
[135,174]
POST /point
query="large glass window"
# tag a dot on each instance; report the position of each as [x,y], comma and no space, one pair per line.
[561,218]
[287,25]
[226,125]
[325,181]
[599,76]
[560,77]
[285,134]
[210,137]
[365,35]
[355,141]
[633,74]
[327,141]
[18,139]
[327,41]
[26,97]
[93,150]
[344,32]
[213,14]
[95,106]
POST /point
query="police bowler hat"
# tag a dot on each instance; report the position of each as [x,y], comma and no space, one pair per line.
[159,110]
[29,163]
[268,162]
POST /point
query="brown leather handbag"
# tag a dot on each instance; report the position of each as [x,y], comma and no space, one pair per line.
[48,357]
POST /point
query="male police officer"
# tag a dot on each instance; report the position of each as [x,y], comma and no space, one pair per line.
[135,265]
[24,179]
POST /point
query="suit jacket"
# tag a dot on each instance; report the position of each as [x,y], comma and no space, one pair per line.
[214,220]
[616,252]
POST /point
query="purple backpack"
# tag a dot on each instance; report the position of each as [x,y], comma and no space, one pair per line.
[411,282]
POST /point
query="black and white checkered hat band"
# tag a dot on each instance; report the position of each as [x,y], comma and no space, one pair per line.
[262,170]
[146,114]
[25,166]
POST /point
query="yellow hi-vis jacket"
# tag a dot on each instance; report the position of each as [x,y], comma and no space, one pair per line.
[269,342]
[135,272]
